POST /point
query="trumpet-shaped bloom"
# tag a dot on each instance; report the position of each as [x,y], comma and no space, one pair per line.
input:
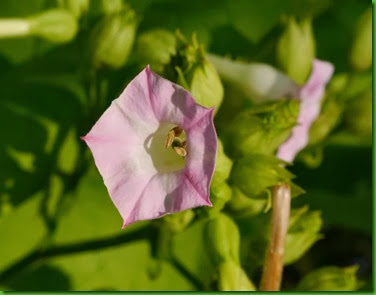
[311,95]
[144,178]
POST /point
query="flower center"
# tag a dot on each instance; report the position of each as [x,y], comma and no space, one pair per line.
[175,141]
[166,148]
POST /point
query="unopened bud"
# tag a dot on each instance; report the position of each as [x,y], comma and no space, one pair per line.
[258,82]
[361,50]
[241,205]
[155,48]
[55,25]
[296,49]
[113,39]
[222,168]
[233,278]
[254,174]
[221,236]
[179,221]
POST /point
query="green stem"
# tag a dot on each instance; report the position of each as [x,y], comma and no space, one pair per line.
[14,27]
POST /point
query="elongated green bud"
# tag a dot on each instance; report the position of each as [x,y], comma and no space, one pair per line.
[220,194]
[233,278]
[221,236]
[361,50]
[256,81]
[254,174]
[113,39]
[296,50]
[155,47]
[330,278]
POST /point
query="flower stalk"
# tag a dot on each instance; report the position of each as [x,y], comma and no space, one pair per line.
[273,267]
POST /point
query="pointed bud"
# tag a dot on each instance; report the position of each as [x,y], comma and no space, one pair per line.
[241,205]
[222,237]
[220,194]
[112,39]
[55,25]
[254,174]
[361,50]
[155,48]
[76,7]
[257,81]
[331,278]
[262,129]
[303,232]
[296,50]
[233,278]
[222,168]
[179,221]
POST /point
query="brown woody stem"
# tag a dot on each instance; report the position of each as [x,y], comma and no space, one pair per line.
[273,268]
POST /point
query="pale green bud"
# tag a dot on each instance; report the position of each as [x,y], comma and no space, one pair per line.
[220,194]
[330,278]
[241,205]
[55,25]
[155,47]
[303,232]
[262,129]
[254,174]
[205,85]
[222,168]
[76,7]
[258,82]
[222,238]
[296,50]
[179,221]
[233,278]
[113,39]
[361,50]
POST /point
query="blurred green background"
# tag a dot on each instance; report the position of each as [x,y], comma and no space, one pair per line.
[58,227]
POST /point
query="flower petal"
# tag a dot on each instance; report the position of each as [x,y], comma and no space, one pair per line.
[144,179]
[311,96]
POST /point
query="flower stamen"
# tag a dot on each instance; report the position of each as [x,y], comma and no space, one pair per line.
[174,132]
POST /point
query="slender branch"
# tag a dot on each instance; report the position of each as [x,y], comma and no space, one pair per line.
[273,268]
[14,28]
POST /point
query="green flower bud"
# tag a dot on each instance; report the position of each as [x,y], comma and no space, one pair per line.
[222,237]
[55,25]
[358,114]
[361,50]
[113,39]
[328,119]
[233,278]
[296,50]
[179,221]
[330,278]
[155,47]
[303,232]
[196,73]
[76,7]
[263,128]
[241,205]
[220,194]
[256,81]
[254,174]
[205,85]
[222,168]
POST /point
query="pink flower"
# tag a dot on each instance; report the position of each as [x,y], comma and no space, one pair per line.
[311,95]
[145,178]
